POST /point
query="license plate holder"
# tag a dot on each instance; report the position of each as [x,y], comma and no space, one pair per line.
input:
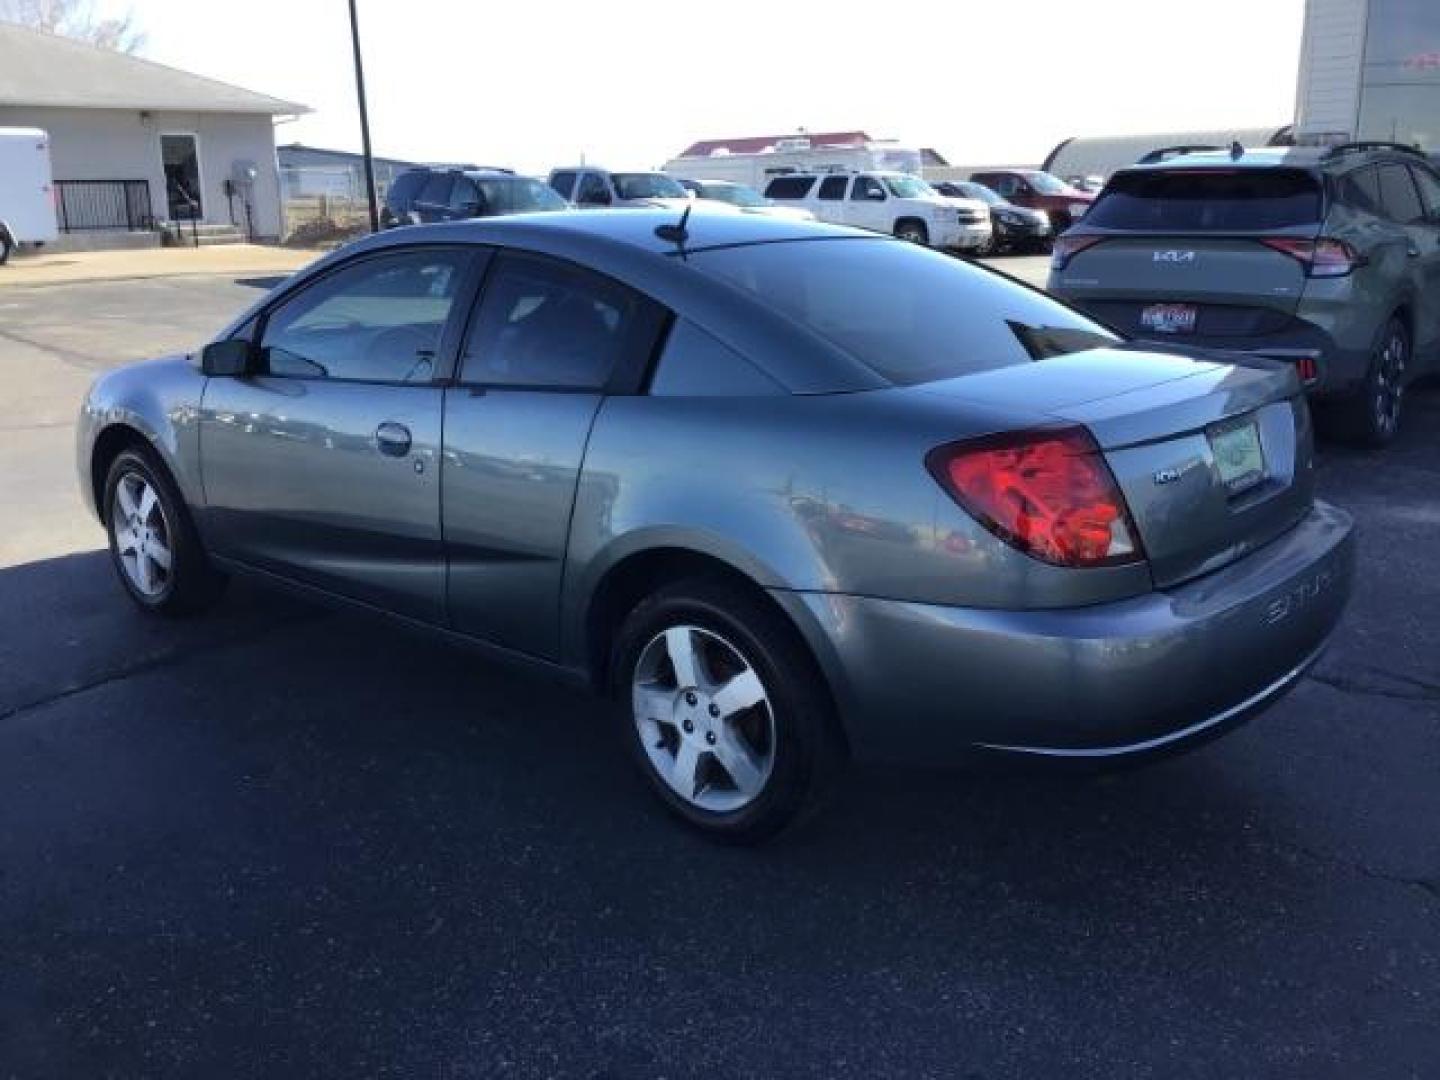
[1239,455]
[1169,318]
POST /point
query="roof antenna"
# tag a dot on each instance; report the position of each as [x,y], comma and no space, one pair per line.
[1236,151]
[676,233]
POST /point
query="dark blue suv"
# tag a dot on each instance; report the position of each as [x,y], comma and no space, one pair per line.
[423,195]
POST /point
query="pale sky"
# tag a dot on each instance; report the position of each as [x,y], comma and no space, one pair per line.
[629,84]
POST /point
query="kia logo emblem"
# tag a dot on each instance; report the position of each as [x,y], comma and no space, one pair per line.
[1175,256]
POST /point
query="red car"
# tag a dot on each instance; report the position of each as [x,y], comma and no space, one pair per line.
[1039,191]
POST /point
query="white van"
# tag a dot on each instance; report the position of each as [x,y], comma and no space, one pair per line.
[888,202]
[27,196]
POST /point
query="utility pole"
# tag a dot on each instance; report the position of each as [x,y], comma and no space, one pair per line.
[364,122]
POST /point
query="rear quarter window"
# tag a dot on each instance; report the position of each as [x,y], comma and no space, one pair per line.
[402,191]
[1399,196]
[1206,200]
[695,364]
[789,187]
[910,314]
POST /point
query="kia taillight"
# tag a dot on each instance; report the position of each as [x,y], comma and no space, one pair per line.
[1322,257]
[1047,492]
[1067,247]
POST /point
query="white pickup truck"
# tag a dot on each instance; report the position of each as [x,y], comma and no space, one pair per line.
[888,202]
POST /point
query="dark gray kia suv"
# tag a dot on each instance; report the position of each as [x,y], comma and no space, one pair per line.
[1326,258]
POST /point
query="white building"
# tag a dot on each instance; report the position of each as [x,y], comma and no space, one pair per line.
[135,145]
[1370,69]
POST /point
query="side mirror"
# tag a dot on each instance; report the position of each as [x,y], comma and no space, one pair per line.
[226,358]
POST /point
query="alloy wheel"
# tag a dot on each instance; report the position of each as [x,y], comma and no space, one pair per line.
[142,536]
[1388,390]
[704,718]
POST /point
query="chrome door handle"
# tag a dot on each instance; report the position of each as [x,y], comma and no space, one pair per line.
[393,439]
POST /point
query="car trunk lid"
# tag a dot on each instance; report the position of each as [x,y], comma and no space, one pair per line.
[1214,458]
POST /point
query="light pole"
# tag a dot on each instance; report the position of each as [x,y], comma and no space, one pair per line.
[364,122]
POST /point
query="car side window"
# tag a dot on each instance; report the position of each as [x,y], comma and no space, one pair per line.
[866,187]
[592,189]
[696,364]
[1398,195]
[833,187]
[436,191]
[789,187]
[376,320]
[465,196]
[563,183]
[547,324]
[1005,186]
[1429,185]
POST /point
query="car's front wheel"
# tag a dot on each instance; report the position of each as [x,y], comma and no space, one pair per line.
[913,232]
[153,543]
[1371,417]
[725,712]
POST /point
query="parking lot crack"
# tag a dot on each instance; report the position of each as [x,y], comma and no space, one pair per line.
[68,357]
[1430,886]
[149,664]
[1372,684]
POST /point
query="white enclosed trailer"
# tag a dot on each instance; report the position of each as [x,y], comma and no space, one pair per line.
[795,156]
[27,194]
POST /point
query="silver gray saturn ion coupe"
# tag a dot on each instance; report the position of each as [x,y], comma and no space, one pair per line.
[788,492]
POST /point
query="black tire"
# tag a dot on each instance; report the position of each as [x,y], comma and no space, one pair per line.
[191,583]
[808,752]
[1371,416]
[5,247]
[912,231]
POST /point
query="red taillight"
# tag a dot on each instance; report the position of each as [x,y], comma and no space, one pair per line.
[1048,493]
[1322,257]
[1067,247]
[1307,368]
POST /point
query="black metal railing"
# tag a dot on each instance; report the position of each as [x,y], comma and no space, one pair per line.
[84,205]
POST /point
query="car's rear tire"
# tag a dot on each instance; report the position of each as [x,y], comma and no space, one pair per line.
[6,246]
[1371,416]
[724,711]
[912,231]
[153,542]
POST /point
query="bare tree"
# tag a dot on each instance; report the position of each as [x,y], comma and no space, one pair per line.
[76,19]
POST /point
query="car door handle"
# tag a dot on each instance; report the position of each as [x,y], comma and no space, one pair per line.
[1413,250]
[393,439]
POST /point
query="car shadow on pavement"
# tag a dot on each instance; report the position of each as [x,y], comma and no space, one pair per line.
[273,801]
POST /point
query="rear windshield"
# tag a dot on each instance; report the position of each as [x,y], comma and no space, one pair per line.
[1206,200]
[909,313]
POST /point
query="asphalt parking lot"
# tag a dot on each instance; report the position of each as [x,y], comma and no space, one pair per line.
[281,841]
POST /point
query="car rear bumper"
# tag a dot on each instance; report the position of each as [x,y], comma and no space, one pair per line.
[1313,334]
[928,684]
